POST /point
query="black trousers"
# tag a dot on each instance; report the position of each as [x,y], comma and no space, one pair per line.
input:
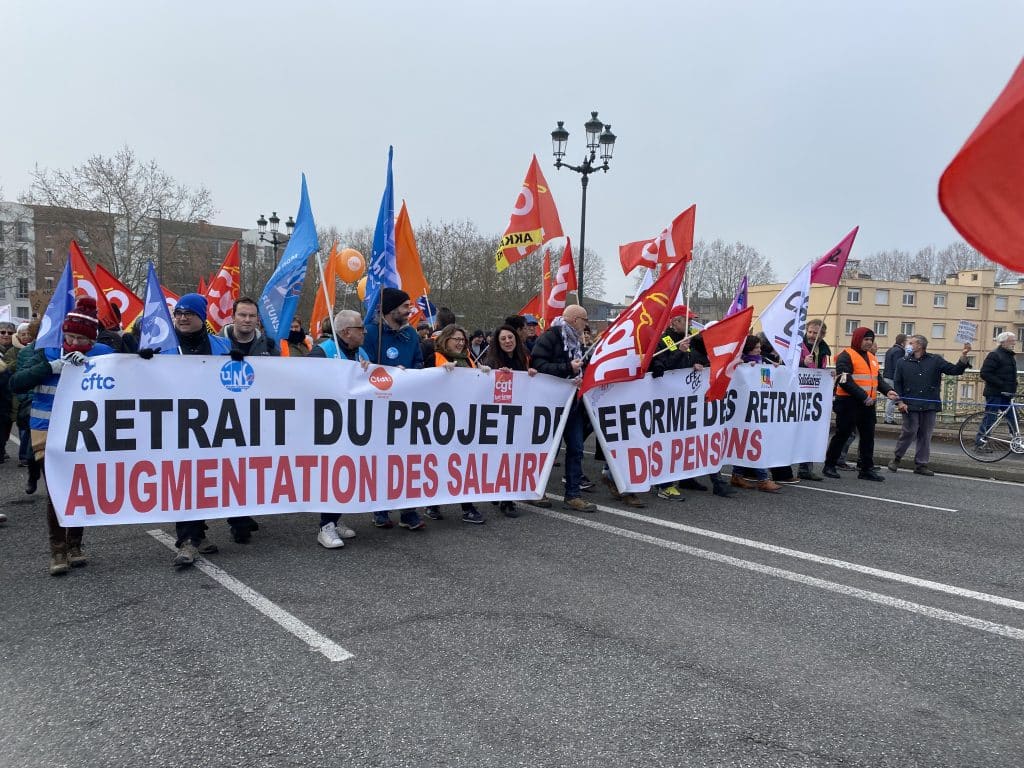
[852,415]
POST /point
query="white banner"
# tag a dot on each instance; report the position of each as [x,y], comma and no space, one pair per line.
[180,438]
[657,430]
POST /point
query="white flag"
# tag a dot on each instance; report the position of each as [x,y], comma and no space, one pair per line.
[5,313]
[785,319]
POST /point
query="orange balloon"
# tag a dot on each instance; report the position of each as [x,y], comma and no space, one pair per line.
[349,265]
[361,289]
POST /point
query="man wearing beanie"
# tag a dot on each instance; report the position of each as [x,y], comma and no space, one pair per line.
[858,383]
[394,342]
[40,375]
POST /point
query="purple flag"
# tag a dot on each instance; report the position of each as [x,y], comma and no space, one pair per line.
[740,302]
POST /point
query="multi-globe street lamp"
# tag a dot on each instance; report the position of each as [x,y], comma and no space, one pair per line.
[599,136]
[275,225]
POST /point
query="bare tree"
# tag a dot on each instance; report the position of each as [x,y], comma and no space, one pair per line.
[134,198]
[931,263]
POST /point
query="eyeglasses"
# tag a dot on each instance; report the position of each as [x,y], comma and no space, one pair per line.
[457,338]
[6,333]
[355,328]
[184,313]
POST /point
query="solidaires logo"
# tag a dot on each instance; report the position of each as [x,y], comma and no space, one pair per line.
[237,376]
[809,380]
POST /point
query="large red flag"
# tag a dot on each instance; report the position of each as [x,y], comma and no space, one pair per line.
[85,282]
[119,295]
[534,220]
[982,190]
[532,307]
[557,286]
[674,244]
[321,310]
[724,344]
[223,290]
[829,268]
[625,350]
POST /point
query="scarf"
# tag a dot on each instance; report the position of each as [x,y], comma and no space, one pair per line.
[570,339]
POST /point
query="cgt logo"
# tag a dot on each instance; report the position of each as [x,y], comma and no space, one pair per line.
[381,379]
[503,386]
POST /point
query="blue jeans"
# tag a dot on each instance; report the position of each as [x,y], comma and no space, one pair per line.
[993,405]
[574,451]
[25,449]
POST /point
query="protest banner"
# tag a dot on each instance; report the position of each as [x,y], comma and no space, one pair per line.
[655,430]
[196,437]
[966,332]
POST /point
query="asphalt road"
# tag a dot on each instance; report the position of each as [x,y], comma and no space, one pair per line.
[840,623]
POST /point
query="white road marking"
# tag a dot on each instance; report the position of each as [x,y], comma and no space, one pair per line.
[978,479]
[935,586]
[972,622]
[272,611]
[873,498]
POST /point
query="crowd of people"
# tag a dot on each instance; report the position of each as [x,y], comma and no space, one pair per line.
[909,381]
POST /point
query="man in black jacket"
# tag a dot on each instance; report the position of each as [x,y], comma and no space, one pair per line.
[918,382]
[893,355]
[999,372]
[243,331]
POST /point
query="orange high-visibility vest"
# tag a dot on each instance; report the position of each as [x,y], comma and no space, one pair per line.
[286,352]
[440,360]
[865,373]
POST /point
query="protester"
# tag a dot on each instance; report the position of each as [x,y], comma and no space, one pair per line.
[721,488]
[351,333]
[814,354]
[7,415]
[298,343]
[39,374]
[858,383]
[532,331]
[23,401]
[753,477]
[999,372]
[244,333]
[478,344]
[394,342]
[442,319]
[519,323]
[918,383]
[893,355]
[559,352]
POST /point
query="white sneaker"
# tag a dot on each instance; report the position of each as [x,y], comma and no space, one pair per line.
[344,531]
[329,538]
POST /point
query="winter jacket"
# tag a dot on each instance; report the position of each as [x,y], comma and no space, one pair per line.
[844,364]
[261,346]
[918,380]
[673,359]
[999,372]
[327,348]
[401,347]
[893,355]
[549,355]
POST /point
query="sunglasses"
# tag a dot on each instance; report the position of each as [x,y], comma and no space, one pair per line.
[6,333]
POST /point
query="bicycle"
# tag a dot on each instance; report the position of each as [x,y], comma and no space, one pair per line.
[999,439]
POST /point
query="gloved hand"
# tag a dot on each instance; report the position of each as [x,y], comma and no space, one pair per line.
[56,365]
[147,354]
[75,358]
[236,355]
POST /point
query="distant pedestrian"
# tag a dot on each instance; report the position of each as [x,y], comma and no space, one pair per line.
[893,355]
[999,372]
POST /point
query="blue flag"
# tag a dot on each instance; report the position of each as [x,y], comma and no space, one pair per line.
[427,307]
[157,330]
[63,301]
[382,271]
[281,296]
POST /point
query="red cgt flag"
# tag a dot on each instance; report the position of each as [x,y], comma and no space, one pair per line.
[557,286]
[724,344]
[625,350]
[223,290]
[674,244]
[85,282]
[534,220]
[118,294]
[982,190]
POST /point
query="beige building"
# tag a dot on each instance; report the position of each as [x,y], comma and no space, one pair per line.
[914,307]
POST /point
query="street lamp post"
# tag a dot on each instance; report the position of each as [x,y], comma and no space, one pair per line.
[600,136]
[275,225]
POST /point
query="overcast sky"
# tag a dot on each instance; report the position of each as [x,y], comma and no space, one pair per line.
[787,123]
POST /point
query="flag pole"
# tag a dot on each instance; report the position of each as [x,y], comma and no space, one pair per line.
[835,289]
[327,301]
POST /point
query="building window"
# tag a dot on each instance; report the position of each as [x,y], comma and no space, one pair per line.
[22,288]
[49,257]
[972,301]
[1020,333]
[882,297]
[1002,303]
[49,283]
[938,330]
[997,330]
[940,300]
[853,295]
[907,329]
[21,310]
[909,298]
[23,231]
[22,257]
[851,326]
[881,327]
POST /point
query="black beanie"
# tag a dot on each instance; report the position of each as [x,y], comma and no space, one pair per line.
[391,299]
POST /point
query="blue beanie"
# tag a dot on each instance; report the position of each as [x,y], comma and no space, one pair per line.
[192,302]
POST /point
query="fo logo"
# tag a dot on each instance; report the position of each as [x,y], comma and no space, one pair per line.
[381,379]
[237,376]
[503,386]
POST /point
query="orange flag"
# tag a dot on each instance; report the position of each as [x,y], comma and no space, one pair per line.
[85,282]
[321,309]
[223,290]
[534,220]
[118,294]
[407,257]
[982,190]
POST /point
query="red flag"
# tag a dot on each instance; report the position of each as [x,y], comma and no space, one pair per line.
[724,344]
[85,282]
[119,295]
[532,307]
[625,350]
[172,300]
[545,290]
[557,287]
[202,286]
[674,244]
[982,190]
[534,220]
[829,268]
[223,290]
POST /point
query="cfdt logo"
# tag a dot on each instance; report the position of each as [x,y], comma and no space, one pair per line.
[381,379]
[766,377]
[503,386]
[237,375]
[93,381]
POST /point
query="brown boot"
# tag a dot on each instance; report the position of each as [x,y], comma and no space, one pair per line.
[59,564]
[632,500]
[612,489]
[741,482]
[76,558]
[768,486]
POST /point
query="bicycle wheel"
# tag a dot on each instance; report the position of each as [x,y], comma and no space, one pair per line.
[993,445]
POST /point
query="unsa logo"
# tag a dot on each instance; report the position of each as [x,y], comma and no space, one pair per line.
[381,379]
[237,376]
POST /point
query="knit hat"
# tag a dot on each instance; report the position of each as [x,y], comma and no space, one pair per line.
[859,335]
[192,302]
[391,299]
[82,319]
